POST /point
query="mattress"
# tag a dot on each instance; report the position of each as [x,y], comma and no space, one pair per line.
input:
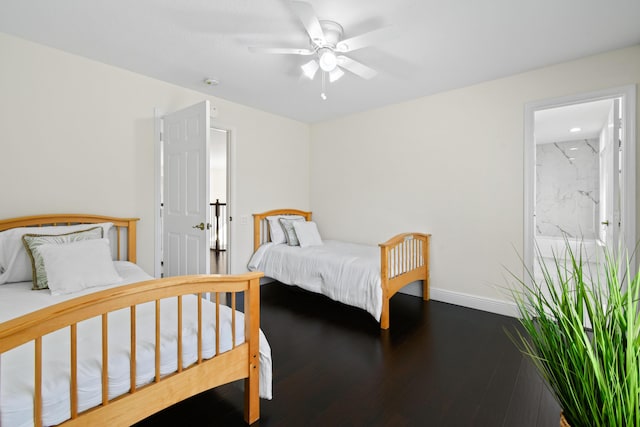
[345,272]
[16,366]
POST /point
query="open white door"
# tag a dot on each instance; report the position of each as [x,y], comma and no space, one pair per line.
[609,218]
[186,191]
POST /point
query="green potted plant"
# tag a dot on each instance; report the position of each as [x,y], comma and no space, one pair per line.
[593,370]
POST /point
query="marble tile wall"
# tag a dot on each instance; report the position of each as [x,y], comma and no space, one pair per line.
[567,189]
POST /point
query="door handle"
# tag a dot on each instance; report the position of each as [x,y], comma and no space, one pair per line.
[605,223]
[201,226]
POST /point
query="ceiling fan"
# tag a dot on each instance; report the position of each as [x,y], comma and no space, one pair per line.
[326,46]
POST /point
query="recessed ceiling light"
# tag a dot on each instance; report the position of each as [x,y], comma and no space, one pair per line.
[211,82]
[576,129]
[573,148]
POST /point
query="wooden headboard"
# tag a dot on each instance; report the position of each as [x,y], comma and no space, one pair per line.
[260,228]
[128,225]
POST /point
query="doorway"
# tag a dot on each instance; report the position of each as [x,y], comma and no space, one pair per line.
[219,165]
[579,177]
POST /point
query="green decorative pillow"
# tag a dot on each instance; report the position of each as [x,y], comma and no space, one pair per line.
[289,232]
[31,243]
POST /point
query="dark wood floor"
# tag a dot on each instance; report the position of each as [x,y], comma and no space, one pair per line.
[438,365]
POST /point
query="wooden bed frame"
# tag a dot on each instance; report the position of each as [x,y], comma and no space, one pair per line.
[241,362]
[404,258]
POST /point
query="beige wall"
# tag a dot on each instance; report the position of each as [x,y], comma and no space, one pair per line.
[450,164]
[78,135]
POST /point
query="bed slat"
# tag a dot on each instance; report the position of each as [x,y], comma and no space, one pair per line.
[37,399]
[233,320]
[117,227]
[199,328]
[179,333]
[217,323]
[157,349]
[74,371]
[105,359]
[132,360]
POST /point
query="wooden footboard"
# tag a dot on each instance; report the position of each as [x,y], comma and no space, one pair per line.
[240,362]
[404,259]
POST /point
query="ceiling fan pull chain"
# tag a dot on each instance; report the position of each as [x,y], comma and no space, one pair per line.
[323,94]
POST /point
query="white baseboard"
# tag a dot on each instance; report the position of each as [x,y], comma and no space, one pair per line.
[491,305]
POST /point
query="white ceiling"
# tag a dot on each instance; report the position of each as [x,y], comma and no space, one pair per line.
[441,45]
[554,124]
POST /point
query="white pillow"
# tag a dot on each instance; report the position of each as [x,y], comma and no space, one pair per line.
[33,241]
[72,267]
[289,232]
[307,233]
[15,265]
[276,232]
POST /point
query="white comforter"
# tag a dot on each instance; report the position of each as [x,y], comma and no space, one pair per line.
[16,366]
[345,272]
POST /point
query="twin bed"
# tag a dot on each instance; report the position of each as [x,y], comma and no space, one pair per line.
[115,354]
[358,275]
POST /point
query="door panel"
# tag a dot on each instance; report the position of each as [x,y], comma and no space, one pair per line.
[609,212]
[186,187]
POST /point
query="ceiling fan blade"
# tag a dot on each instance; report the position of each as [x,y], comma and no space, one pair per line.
[308,17]
[356,67]
[366,39]
[281,50]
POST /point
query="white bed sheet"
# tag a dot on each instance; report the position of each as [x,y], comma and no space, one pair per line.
[16,366]
[345,272]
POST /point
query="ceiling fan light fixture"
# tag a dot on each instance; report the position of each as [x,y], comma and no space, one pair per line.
[310,68]
[335,74]
[327,59]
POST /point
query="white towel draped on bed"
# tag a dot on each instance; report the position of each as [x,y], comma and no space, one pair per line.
[16,379]
[345,272]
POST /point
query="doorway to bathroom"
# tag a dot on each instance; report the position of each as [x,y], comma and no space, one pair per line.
[579,177]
